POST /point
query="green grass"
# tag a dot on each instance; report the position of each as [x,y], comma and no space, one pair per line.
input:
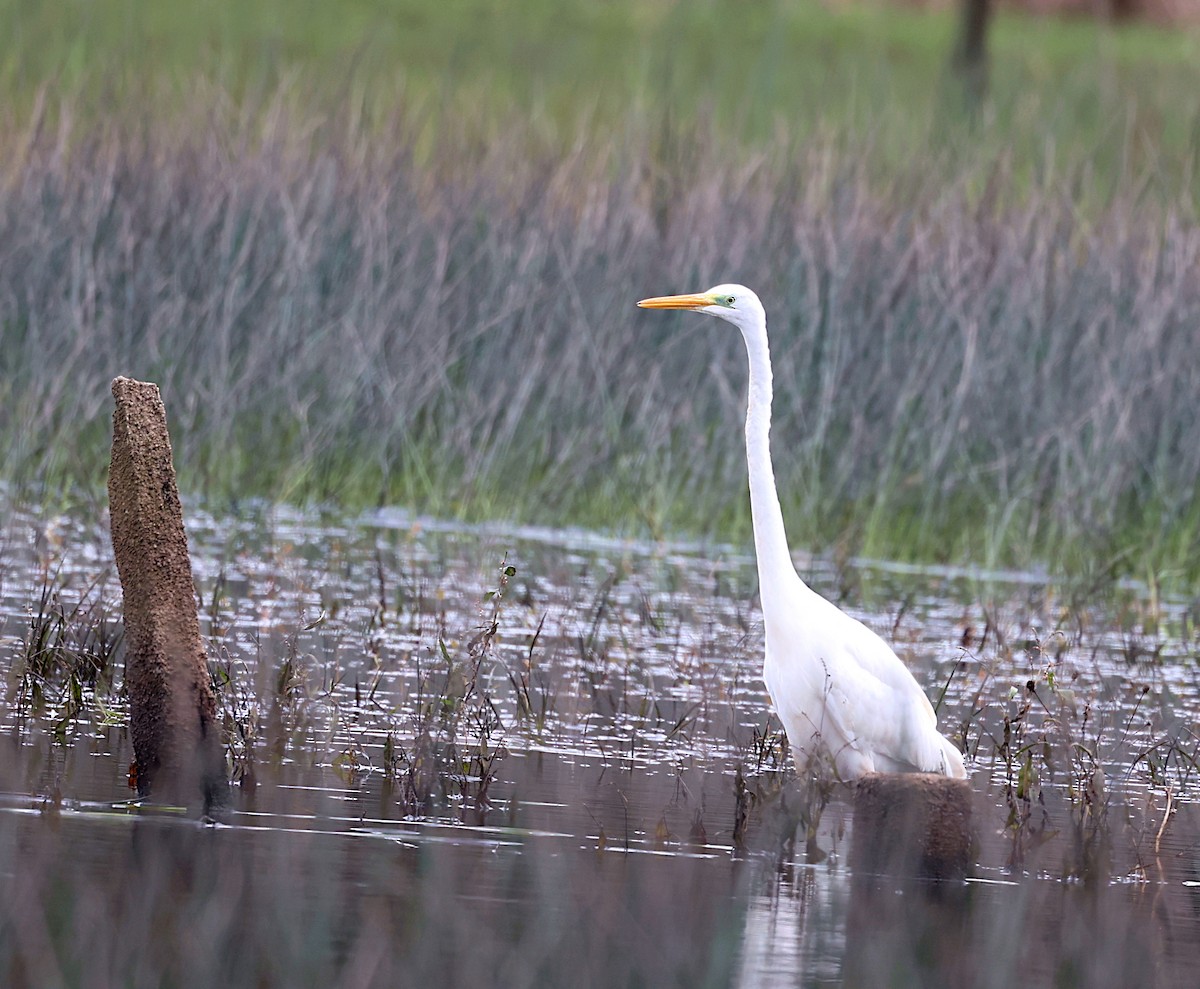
[388,253]
[747,70]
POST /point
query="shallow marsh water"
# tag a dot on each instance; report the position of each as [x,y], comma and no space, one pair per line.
[569,775]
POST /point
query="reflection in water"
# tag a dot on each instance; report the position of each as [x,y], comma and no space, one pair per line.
[626,699]
[788,939]
[166,902]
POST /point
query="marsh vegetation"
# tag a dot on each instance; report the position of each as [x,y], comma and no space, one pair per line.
[982,335]
[387,255]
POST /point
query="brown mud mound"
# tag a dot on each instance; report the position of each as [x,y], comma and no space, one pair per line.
[176,738]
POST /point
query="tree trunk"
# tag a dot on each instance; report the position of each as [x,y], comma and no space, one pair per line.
[970,53]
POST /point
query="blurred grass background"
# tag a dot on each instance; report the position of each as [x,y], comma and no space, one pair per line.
[381,252]
[752,67]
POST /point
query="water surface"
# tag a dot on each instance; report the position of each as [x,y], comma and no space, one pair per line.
[528,757]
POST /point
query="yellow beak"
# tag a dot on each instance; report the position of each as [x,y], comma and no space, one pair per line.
[677,302]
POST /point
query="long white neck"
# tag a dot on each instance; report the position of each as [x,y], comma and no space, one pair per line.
[775,568]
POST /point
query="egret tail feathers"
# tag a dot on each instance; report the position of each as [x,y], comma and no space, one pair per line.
[952,760]
[934,753]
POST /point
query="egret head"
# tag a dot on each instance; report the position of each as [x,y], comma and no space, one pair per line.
[734,303]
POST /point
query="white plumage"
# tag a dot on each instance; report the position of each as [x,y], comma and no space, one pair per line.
[841,692]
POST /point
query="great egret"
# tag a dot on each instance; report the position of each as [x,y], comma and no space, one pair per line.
[841,692]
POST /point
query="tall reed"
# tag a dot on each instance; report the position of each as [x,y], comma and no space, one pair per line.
[344,311]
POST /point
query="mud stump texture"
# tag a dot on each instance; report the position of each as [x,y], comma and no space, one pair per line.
[176,737]
[912,824]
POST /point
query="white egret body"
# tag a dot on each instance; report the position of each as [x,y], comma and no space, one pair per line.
[841,692]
